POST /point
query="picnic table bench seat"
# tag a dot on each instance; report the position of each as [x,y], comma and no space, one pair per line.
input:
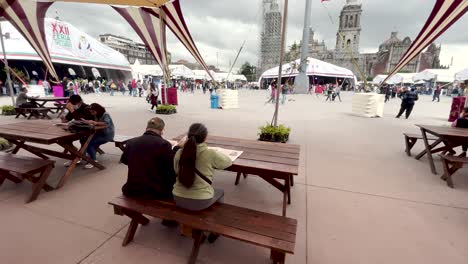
[411,139]
[451,165]
[38,112]
[17,168]
[278,233]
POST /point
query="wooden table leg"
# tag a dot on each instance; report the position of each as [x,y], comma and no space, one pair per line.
[286,194]
[39,185]
[428,151]
[197,239]
[433,145]
[78,155]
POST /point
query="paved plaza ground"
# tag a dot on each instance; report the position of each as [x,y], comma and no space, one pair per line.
[358,198]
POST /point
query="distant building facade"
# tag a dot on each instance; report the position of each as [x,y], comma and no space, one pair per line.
[130,49]
[346,53]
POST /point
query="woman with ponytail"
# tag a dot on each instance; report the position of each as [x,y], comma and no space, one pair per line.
[194,165]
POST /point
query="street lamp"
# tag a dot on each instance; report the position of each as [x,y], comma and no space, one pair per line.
[7,36]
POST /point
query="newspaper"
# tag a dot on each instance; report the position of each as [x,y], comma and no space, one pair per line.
[232,154]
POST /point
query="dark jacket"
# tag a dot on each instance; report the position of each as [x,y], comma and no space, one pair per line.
[150,161]
[82,112]
[409,97]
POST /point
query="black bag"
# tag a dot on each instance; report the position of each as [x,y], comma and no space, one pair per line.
[79,126]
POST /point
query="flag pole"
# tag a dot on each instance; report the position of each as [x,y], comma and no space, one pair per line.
[279,87]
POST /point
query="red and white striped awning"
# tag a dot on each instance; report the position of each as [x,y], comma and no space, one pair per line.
[150,29]
[444,14]
[27,16]
[176,22]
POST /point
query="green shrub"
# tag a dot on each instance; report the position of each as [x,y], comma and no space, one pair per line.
[4,144]
[8,110]
[274,134]
[166,109]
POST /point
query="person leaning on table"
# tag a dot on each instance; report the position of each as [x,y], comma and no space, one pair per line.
[77,109]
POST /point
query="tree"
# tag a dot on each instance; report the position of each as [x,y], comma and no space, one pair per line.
[293,53]
[248,71]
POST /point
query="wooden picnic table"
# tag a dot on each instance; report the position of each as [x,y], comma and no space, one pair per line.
[270,161]
[59,103]
[47,133]
[451,137]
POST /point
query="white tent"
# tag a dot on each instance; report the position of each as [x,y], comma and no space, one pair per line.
[67,45]
[314,67]
[222,77]
[462,76]
[395,79]
[439,75]
[180,70]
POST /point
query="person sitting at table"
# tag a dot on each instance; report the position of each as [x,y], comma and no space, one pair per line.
[149,159]
[102,119]
[77,109]
[194,165]
[462,122]
[22,99]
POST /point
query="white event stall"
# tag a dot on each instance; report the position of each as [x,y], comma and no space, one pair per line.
[315,67]
[69,47]
[462,75]
[438,75]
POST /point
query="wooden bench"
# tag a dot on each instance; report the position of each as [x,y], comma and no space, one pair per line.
[121,141]
[411,139]
[451,165]
[277,233]
[17,168]
[39,112]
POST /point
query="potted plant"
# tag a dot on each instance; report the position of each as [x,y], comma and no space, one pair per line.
[5,145]
[166,109]
[8,110]
[271,133]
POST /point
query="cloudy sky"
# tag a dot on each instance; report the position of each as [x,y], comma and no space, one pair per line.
[220,26]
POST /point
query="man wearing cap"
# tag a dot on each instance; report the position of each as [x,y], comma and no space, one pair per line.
[150,160]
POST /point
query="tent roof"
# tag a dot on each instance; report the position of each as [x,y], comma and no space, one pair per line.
[71,46]
[462,75]
[443,75]
[314,67]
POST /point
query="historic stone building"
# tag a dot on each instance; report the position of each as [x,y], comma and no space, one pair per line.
[346,53]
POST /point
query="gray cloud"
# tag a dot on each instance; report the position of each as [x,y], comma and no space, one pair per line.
[220,26]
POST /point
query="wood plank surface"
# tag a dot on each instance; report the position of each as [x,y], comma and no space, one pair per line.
[21,164]
[243,224]
[445,131]
[259,157]
[49,99]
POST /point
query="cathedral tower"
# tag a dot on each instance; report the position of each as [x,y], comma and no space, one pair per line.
[349,30]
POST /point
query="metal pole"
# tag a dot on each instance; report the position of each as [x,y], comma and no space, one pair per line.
[7,68]
[302,80]
[283,38]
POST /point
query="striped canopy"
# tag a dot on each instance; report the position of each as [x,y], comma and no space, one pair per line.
[149,3]
[176,22]
[444,14]
[151,30]
[27,16]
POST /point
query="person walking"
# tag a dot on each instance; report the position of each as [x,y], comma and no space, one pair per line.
[130,89]
[337,92]
[122,87]
[140,88]
[47,88]
[113,88]
[388,93]
[437,92]
[408,99]
[154,93]
[284,92]
[329,91]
